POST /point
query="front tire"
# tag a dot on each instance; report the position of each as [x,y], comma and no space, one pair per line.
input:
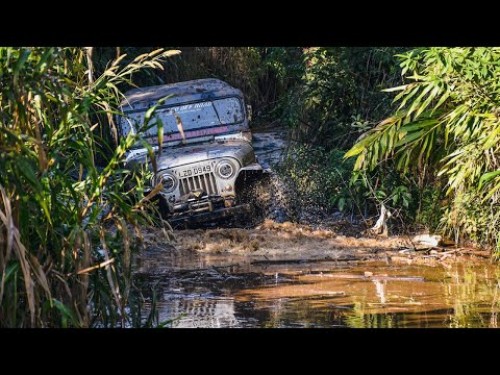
[254,189]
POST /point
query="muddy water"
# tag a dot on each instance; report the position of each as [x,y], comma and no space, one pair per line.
[221,291]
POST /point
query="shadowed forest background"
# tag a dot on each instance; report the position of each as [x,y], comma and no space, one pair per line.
[413,130]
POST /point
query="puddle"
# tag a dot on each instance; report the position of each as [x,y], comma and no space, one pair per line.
[230,291]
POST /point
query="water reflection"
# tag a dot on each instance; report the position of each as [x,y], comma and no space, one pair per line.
[364,295]
[196,312]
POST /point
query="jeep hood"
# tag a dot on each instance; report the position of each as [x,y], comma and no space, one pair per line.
[188,154]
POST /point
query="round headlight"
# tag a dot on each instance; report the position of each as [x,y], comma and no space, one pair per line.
[169,182]
[225,169]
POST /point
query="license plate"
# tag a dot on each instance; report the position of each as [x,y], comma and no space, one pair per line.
[194,171]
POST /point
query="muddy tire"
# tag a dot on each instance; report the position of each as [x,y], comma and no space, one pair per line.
[163,208]
[256,191]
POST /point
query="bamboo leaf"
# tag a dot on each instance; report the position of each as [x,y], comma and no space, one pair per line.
[409,138]
[65,312]
[397,88]
[487,177]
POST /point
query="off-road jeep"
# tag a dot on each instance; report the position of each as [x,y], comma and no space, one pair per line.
[206,156]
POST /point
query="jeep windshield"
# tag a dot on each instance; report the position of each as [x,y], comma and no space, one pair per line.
[199,119]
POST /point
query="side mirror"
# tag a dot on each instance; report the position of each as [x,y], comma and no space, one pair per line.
[249,112]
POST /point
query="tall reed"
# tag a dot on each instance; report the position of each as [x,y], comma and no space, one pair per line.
[68,228]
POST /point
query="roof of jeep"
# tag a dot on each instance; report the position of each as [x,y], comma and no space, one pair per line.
[180,92]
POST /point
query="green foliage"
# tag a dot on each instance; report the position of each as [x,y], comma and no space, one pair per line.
[67,227]
[430,206]
[446,126]
[338,95]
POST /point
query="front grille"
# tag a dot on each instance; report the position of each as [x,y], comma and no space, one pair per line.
[205,182]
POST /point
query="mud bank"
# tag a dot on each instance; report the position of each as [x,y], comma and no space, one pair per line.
[287,241]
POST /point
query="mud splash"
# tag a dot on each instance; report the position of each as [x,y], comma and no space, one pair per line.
[288,241]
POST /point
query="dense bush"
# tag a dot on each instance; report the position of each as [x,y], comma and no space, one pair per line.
[446,132]
[339,93]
